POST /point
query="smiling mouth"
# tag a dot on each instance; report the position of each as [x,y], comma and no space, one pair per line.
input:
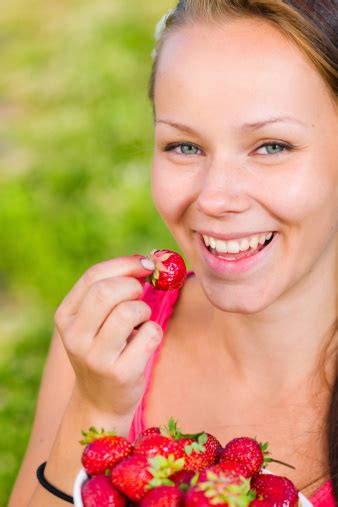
[241,255]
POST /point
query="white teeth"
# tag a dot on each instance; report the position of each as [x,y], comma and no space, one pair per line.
[222,246]
[212,243]
[262,239]
[245,245]
[206,240]
[254,242]
[235,246]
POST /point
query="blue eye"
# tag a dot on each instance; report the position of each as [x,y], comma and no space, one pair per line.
[183,148]
[280,147]
[189,149]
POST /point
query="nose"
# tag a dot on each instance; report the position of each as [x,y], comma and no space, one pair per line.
[224,190]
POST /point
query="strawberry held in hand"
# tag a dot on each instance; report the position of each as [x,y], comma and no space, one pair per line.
[170,270]
[103,450]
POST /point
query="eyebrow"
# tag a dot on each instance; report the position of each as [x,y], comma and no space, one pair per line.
[245,127]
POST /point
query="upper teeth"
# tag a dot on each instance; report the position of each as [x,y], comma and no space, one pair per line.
[235,246]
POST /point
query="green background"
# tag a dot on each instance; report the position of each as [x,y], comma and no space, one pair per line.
[76,140]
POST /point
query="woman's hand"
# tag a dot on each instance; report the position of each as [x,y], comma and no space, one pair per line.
[97,322]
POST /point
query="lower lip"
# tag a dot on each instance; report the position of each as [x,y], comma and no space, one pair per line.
[235,267]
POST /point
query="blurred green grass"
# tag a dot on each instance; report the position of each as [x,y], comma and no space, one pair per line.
[75,154]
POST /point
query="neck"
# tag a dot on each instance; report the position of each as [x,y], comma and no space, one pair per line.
[281,348]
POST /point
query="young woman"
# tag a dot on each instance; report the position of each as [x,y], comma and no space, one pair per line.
[245,177]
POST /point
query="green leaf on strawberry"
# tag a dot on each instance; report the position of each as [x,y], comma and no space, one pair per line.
[162,468]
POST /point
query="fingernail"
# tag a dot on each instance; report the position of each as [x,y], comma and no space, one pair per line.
[147,264]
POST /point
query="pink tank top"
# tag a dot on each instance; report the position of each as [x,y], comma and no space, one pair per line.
[162,305]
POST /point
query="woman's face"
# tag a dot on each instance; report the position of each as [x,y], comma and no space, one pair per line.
[219,171]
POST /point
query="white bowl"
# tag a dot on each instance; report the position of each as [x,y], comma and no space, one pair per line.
[82,477]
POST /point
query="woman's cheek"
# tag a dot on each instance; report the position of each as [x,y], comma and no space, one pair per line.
[170,190]
[302,195]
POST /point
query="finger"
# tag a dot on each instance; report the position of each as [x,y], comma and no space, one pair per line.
[137,353]
[119,325]
[121,266]
[98,303]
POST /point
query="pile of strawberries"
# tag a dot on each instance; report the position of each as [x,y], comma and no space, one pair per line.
[166,468]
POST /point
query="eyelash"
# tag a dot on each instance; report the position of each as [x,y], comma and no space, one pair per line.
[171,146]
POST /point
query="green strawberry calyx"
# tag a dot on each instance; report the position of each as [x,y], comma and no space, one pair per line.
[220,489]
[162,468]
[173,432]
[93,434]
[197,446]
[267,459]
[184,487]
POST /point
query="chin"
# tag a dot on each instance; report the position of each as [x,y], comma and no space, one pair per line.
[234,300]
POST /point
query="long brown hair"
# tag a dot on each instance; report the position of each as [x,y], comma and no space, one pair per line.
[313,26]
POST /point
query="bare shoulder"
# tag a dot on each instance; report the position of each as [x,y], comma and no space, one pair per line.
[55,389]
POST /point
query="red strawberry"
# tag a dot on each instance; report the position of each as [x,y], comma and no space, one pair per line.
[131,476]
[260,503]
[137,474]
[279,491]
[249,452]
[99,492]
[182,479]
[153,444]
[200,449]
[229,468]
[203,453]
[170,270]
[103,450]
[149,431]
[164,496]
[220,489]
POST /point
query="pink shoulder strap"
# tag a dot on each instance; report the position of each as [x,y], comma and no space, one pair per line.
[162,304]
[323,497]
